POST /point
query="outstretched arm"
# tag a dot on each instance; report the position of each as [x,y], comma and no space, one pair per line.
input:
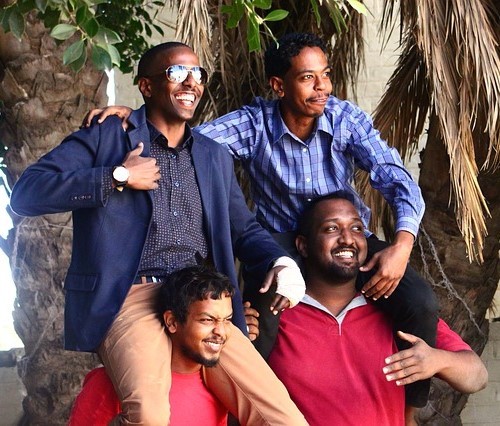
[462,370]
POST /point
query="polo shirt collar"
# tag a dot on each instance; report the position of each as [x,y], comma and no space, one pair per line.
[356,302]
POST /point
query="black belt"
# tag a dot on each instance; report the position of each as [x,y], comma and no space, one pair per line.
[145,279]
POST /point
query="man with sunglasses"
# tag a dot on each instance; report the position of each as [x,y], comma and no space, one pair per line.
[145,203]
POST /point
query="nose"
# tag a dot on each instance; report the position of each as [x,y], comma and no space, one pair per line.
[189,80]
[220,329]
[320,83]
[346,237]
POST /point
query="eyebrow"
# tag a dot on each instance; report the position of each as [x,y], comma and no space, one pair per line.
[310,70]
[214,317]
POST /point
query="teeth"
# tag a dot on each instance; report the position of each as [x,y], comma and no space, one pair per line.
[215,346]
[185,97]
[348,254]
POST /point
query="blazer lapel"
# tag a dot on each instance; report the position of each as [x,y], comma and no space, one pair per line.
[202,161]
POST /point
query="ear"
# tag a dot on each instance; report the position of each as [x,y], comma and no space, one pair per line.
[276,84]
[170,321]
[144,85]
[301,244]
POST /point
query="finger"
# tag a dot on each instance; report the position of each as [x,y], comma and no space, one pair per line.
[97,112]
[368,266]
[380,289]
[280,303]
[253,332]
[125,123]
[404,376]
[392,289]
[370,288]
[90,115]
[409,337]
[268,281]
[104,113]
[136,152]
[251,312]
[251,320]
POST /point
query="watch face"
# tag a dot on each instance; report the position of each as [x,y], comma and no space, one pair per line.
[120,174]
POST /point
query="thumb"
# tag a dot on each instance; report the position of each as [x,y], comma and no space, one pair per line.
[138,149]
[408,337]
[369,265]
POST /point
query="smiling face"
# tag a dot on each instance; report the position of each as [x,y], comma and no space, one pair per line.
[175,102]
[201,338]
[305,87]
[335,246]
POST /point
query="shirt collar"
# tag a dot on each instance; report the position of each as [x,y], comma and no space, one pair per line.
[186,143]
[279,128]
[356,302]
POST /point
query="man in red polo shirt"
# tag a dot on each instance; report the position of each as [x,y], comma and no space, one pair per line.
[333,350]
[196,306]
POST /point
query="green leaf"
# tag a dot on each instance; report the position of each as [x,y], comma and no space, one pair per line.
[358,6]
[16,24]
[276,15]
[80,62]
[253,38]
[315,8]
[25,6]
[91,27]
[262,4]
[73,52]
[51,17]
[101,58]
[41,5]
[106,36]
[82,14]
[115,55]
[63,31]
[235,12]
[4,18]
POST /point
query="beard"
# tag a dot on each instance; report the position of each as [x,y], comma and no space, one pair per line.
[199,358]
[341,272]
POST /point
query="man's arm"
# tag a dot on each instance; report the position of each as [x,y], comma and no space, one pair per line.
[389,176]
[463,370]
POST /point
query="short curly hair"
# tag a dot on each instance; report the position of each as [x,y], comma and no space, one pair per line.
[187,285]
[277,59]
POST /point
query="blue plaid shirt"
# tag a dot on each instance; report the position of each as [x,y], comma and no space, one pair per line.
[286,172]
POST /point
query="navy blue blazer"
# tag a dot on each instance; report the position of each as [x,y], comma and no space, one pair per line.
[109,234]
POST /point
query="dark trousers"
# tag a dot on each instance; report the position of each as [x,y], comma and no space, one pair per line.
[413,308]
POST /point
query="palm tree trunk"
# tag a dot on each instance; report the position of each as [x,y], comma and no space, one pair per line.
[465,289]
[43,101]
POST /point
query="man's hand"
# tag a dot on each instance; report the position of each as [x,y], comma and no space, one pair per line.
[121,111]
[251,318]
[410,365]
[144,173]
[390,265]
[290,284]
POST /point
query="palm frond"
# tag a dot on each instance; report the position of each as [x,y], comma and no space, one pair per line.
[451,63]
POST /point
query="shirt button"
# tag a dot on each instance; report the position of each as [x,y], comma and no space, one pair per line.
[178,241]
[177,184]
[304,150]
[309,200]
[175,214]
[308,179]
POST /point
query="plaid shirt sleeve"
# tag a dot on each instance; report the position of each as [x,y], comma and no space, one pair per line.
[387,172]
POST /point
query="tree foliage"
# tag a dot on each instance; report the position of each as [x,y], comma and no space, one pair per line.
[115,33]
